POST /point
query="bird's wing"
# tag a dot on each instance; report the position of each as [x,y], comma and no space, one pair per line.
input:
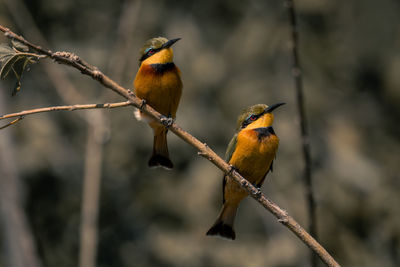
[228,156]
[231,148]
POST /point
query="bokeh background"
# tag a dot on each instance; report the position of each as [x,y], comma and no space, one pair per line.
[232,54]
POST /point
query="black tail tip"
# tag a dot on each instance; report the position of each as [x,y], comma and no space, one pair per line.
[223,230]
[160,161]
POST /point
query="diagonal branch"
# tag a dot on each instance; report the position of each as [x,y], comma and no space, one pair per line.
[65,108]
[204,150]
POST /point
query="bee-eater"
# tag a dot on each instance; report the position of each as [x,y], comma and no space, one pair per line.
[158,82]
[250,152]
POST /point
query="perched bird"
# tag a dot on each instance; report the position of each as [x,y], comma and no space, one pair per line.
[158,83]
[250,152]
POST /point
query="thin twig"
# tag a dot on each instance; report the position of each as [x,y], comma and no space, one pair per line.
[297,74]
[12,122]
[66,108]
[74,61]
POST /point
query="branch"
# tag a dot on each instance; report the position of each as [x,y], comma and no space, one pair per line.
[297,74]
[74,61]
[68,108]
[12,122]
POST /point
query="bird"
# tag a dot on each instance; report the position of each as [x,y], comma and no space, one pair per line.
[158,83]
[250,152]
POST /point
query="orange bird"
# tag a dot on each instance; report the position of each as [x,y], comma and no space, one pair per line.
[158,82]
[250,152]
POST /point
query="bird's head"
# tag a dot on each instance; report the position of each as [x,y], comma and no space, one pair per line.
[157,51]
[257,116]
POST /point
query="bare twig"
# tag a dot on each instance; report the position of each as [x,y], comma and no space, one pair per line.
[297,74]
[65,108]
[12,122]
[74,61]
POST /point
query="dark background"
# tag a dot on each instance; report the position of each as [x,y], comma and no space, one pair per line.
[232,54]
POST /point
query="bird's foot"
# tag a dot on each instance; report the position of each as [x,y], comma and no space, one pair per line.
[142,104]
[231,169]
[258,193]
[167,121]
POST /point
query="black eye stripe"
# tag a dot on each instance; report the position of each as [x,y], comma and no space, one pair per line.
[149,53]
[251,118]
[153,51]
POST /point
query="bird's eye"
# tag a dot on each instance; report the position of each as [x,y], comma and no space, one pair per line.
[253,117]
[149,51]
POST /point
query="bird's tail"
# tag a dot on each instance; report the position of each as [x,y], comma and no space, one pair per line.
[160,155]
[223,226]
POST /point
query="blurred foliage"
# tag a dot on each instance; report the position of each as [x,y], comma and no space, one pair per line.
[232,54]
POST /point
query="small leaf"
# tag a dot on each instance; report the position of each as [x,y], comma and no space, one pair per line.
[16,61]
[20,66]
[5,69]
[5,57]
[5,49]
[5,52]
[19,46]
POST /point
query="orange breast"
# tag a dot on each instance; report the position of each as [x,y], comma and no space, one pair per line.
[252,158]
[161,89]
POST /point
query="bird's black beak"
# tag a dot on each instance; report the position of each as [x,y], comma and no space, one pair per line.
[273,107]
[170,43]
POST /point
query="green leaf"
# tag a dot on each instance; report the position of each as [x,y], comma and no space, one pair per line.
[19,46]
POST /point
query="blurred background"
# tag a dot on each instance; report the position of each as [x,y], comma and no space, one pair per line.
[232,54]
